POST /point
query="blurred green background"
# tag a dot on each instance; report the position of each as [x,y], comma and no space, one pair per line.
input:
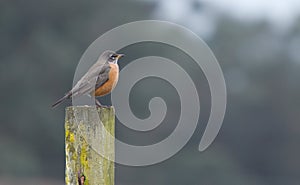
[257,44]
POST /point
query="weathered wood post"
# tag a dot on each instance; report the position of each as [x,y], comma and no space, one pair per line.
[89,132]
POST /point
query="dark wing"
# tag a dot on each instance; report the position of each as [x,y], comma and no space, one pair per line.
[103,76]
[94,78]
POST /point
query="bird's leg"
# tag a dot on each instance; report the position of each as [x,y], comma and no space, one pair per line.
[99,105]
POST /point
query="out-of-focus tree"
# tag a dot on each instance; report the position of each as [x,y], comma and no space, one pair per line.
[42,42]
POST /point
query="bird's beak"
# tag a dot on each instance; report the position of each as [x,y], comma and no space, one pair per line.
[120,56]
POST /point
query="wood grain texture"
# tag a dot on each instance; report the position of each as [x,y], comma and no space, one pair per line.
[85,140]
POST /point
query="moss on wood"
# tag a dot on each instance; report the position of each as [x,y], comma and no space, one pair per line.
[85,140]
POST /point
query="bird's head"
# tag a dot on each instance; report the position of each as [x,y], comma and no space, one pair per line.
[112,57]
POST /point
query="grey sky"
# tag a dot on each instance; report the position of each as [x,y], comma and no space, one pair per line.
[280,13]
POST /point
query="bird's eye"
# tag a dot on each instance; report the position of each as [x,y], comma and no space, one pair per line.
[113,57]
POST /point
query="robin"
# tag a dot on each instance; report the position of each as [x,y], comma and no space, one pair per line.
[99,80]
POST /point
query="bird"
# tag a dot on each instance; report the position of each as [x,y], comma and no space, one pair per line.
[98,81]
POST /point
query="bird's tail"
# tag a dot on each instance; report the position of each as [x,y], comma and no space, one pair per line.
[68,95]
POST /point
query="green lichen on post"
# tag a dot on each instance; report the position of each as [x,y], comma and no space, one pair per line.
[86,142]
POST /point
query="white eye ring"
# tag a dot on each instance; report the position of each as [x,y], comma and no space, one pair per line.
[112,57]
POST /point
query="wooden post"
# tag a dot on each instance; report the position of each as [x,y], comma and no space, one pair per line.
[85,140]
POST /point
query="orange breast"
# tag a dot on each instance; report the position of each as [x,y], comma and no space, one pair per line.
[108,86]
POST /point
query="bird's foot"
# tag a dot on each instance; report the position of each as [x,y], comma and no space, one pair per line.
[99,105]
[104,106]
